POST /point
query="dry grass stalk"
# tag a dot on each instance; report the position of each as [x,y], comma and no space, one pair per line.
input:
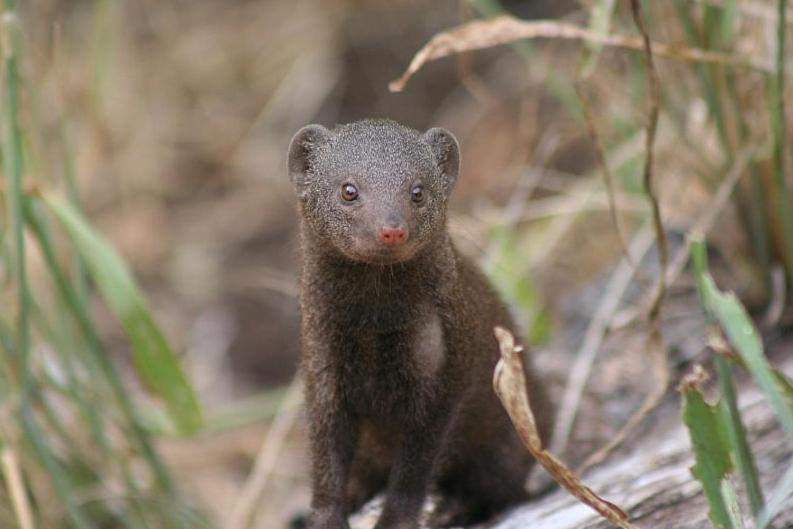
[655,345]
[608,177]
[654,342]
[653,109]
[509,383]
[701,227]
[481,34]
[658,364]
[244,509]
[16,488]
[595,334]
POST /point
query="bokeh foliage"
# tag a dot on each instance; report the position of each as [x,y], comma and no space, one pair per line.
[79,440]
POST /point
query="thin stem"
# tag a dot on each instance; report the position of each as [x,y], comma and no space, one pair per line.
[12,168]
[777,93]
[654,103]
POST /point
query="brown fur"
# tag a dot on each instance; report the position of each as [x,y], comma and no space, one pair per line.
[398,343]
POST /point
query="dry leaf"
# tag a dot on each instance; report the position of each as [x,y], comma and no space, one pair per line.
[504,29]
[510,384]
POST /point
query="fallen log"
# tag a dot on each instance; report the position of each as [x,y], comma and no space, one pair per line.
[653,484]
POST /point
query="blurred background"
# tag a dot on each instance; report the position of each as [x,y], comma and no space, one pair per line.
[167,123]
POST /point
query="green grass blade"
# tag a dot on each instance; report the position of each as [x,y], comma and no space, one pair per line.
[777,113]
[6,337]
[70,179]
[736,430]
[600,23]
[7,350]
[707,429]
[706,76]
[153,357]
[778,500]
[12,169]
[61,483]
[737,326]
[80,312]
[737,435]
[727,28]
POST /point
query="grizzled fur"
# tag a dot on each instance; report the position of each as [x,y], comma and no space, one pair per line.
[398,339]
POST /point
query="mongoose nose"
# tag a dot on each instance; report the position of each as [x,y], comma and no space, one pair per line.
[393,236]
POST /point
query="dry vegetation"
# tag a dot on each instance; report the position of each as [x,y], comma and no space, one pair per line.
[167,123]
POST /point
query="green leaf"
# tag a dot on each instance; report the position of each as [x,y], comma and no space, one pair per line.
[731,500]
[707,429]
[153,357]
[735,322]
[737,326]
[729,402]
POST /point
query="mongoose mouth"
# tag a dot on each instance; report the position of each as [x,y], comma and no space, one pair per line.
[382,254]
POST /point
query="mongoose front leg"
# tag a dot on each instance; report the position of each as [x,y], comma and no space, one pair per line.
[411,473]
[333,435]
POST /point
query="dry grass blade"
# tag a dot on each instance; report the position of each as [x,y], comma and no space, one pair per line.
[701,226]
[242,513]
[655,343]
[608,177]
[504,29]
[596,331]
[509,383]
[658,356]
[16,488]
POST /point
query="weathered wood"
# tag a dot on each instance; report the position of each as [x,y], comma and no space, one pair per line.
[653,484]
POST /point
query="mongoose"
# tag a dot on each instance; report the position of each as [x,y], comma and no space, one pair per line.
[397,332]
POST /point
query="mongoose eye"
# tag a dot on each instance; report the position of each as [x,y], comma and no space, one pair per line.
[417,194]
[349,192]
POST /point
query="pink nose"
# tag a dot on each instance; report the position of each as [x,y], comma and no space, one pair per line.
[393,236]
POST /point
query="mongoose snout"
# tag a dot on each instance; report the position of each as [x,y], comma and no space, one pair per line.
[393,236]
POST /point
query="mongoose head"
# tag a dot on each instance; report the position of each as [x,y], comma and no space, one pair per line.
[374,190]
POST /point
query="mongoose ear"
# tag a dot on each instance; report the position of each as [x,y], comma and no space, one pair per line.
[303,142]
[447,154]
